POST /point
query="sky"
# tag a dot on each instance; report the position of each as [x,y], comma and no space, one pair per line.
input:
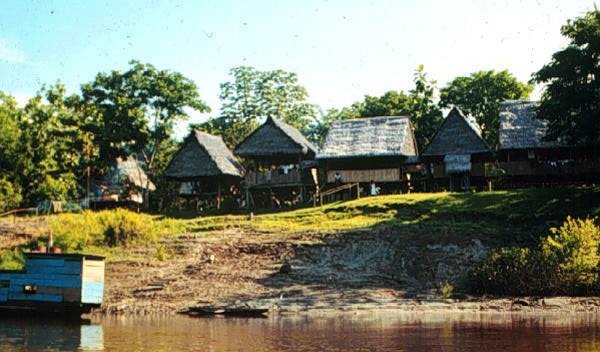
[341,50]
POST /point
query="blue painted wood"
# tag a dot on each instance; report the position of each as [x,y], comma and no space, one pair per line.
[3,294]
[92,292]
[34,262]
[55,281]
[34,297]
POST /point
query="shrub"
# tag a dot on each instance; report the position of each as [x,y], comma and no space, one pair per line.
[565,262]
[572,252]
[446,290]
[11,260]
[74,232]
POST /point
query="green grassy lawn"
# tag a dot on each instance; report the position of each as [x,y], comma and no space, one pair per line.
[500,218]
[494,214]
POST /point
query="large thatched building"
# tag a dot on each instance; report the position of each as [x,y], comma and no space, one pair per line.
[205,167]
[526,157]
[368,149]
[456,155]
[278,159]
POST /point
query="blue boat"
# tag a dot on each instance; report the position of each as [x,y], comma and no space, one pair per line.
[54,283]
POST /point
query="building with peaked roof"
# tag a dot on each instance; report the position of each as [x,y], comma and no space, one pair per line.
[456,154]
[278,160]
[524,156]
[368,149]
[204,166]
[122,185]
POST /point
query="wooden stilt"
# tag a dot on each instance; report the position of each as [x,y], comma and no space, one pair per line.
[219,195]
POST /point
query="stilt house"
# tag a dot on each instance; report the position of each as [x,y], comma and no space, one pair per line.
[368,149]
[205,168]
[456,155]
[279,164]
[526,157]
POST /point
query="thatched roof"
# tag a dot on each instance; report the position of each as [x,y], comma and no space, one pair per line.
[370,137]
[203,155]
[128,171]
[456,135]
[275,138]
[519,127]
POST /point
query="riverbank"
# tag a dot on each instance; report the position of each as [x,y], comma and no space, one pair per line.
[403,252]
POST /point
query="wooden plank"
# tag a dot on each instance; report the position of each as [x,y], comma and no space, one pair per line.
[93,271]
[36,262]
[34,297]
[64,281]
[92,292]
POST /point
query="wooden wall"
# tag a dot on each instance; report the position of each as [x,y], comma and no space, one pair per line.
[377,175]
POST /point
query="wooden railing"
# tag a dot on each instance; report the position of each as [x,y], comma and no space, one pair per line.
[525,168]
[273,177]
[339,189]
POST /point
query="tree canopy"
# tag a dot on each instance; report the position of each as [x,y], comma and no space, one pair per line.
[571,98]
[254,95]
[480,95]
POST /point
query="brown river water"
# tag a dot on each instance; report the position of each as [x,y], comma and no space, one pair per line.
[384,331]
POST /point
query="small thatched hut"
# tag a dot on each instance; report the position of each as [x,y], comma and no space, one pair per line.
[122,185]
[456,154]
[526,157]
[277,159]
[205,167]
[368,149]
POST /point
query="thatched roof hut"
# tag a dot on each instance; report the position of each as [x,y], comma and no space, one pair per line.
[519,127]
[125,172]
[456,135]
[203,156]
[385,136]
[276,141]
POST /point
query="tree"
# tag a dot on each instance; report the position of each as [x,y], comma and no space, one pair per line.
[254,95]
[480,94]
[571,99]
[9,135]
[138,109]
[51,146]
[233,130]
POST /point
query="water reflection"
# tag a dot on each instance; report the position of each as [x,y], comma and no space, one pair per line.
[364,331]
[38,334]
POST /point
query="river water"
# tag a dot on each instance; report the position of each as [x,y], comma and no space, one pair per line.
[481,332]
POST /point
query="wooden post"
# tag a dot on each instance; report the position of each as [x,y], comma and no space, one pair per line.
[219,195]
[247,198]
[357,190]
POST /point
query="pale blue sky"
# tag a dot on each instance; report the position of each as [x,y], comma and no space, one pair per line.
[341,50]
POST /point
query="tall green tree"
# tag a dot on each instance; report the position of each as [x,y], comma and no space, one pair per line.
[51,146]
[232,129]
[480,94]
[571,98]
[252,95]
[9,135]
[138,109]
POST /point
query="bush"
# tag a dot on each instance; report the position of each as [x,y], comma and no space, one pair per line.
[120,227]
[572,252]
[566,262]
[11,260]
[9,196]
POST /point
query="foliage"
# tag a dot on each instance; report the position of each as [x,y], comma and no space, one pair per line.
[233,130]
[11,259]
[120,227]
[9,135]
[480,94]
[138,108]
[446,291]
[51,146]
[566,262]
[571,98]
[10,197]
[572,251]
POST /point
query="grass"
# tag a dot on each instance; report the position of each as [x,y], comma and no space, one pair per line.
[515,217]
